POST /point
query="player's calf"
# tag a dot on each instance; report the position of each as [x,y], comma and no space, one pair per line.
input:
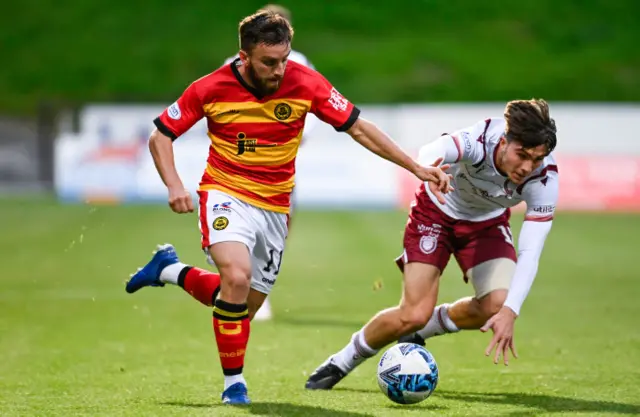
[255,301]
[231,323]
[489,305]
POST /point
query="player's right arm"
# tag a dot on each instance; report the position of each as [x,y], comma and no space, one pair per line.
[460,146]
[173,122]
[333,108]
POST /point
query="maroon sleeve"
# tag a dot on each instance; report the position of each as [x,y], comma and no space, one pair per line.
[331,107]
[181,115]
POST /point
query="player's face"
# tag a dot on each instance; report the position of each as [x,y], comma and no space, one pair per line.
[265,66]
[517,162]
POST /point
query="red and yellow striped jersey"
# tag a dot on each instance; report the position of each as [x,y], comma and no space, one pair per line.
[255,139]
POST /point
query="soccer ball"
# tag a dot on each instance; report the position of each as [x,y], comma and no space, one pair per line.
[407,373]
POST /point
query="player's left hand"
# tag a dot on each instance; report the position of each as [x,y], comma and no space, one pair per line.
[439,181]
[502,325]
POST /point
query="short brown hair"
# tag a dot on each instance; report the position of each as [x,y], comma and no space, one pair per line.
[264,27]
[277,9]
[529,123]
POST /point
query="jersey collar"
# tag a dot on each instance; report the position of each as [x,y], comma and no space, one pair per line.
[241,80]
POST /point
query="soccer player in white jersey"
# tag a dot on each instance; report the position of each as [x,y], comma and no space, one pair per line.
[265,312]
[496,164]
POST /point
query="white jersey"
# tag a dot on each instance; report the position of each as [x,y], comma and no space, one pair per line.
[481,191]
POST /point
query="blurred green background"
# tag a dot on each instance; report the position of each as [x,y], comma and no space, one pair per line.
[374,52]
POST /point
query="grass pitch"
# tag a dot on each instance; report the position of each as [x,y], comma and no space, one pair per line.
[72,342]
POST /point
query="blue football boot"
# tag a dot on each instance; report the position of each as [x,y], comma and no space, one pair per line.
[236,394]
[149,275]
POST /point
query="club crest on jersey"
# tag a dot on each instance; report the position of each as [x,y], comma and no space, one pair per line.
[174,111]
[220,223]
[282,111]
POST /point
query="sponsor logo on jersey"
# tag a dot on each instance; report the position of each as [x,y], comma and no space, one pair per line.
[174,111]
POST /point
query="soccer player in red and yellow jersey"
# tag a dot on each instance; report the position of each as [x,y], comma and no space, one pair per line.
[255,109]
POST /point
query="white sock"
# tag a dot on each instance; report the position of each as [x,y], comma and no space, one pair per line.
[439,323]
[170,274]
[233,379]
[356,352]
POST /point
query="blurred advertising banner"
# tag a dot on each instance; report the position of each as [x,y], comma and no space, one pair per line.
[108,159]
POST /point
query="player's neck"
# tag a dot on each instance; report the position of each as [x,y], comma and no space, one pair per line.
[242,70]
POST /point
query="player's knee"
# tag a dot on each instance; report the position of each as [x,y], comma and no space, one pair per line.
[491,303]
[414,318]
[236,277]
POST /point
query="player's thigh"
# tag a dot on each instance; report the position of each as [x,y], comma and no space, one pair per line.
[488,258]
[491,279]
[420,289]
[269,251]
[228,230]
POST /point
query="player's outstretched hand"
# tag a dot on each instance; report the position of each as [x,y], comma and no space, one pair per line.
[439,181]
[502,325]
[180,200]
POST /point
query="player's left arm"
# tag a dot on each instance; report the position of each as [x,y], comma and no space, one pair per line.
[541,198]
[332,108]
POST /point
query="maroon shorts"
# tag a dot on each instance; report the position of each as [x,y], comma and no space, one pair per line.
[431,236]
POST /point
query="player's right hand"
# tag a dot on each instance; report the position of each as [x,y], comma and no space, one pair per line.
[180,200]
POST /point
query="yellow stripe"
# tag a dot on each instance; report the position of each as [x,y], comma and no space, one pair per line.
[256,203]
[280,110]
[264,190]
[229,314]
[254,153]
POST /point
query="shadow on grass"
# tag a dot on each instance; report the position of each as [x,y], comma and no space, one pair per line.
[274,409]
[542,402]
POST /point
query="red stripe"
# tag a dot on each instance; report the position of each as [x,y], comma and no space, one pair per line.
[543,173]
[204,223]
[280,200]
[274,174]
[538,219]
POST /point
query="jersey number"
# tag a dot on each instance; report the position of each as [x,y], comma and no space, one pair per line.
[271,262]
[506,232]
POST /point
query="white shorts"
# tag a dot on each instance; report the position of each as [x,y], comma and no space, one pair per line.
[224,218]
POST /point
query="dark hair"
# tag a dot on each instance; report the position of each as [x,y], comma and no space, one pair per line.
[529,123]
[264,27]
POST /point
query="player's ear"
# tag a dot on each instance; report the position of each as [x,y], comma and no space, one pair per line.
[244,56]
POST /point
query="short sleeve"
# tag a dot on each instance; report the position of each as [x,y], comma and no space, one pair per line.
[179,117]
[331,107]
